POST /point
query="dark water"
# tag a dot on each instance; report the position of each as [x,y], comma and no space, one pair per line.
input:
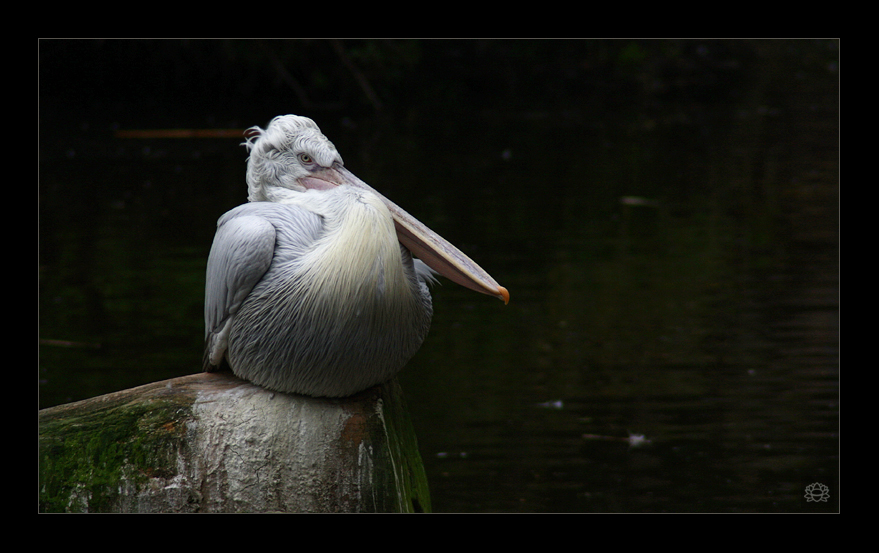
[673,265]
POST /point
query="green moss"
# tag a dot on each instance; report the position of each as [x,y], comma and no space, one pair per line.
[87,457]
[412,486]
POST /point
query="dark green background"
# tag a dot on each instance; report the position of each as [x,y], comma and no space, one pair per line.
[665,215]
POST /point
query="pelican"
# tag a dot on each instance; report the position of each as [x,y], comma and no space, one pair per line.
[311,286]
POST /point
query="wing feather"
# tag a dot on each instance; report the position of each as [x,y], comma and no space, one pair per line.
[248,238]
[240,255]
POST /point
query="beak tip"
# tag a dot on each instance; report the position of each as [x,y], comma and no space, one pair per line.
[503,294]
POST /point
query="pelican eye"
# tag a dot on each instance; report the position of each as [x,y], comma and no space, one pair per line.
[305,158]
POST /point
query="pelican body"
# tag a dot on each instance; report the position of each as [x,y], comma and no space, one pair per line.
[311,286]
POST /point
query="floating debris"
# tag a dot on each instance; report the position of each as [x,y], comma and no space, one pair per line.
[446,455]
[637,200]
[180,133]
[69,344]
[634,440]
[557,404]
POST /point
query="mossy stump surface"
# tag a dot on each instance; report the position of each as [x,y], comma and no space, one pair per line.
[210,442]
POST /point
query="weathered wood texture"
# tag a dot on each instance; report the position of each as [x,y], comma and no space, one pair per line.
[211,442]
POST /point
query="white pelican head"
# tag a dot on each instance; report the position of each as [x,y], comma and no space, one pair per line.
[285,156]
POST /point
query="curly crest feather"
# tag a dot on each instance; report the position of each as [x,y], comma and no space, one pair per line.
[274,154]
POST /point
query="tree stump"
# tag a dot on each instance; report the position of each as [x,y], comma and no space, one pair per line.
[211,442]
